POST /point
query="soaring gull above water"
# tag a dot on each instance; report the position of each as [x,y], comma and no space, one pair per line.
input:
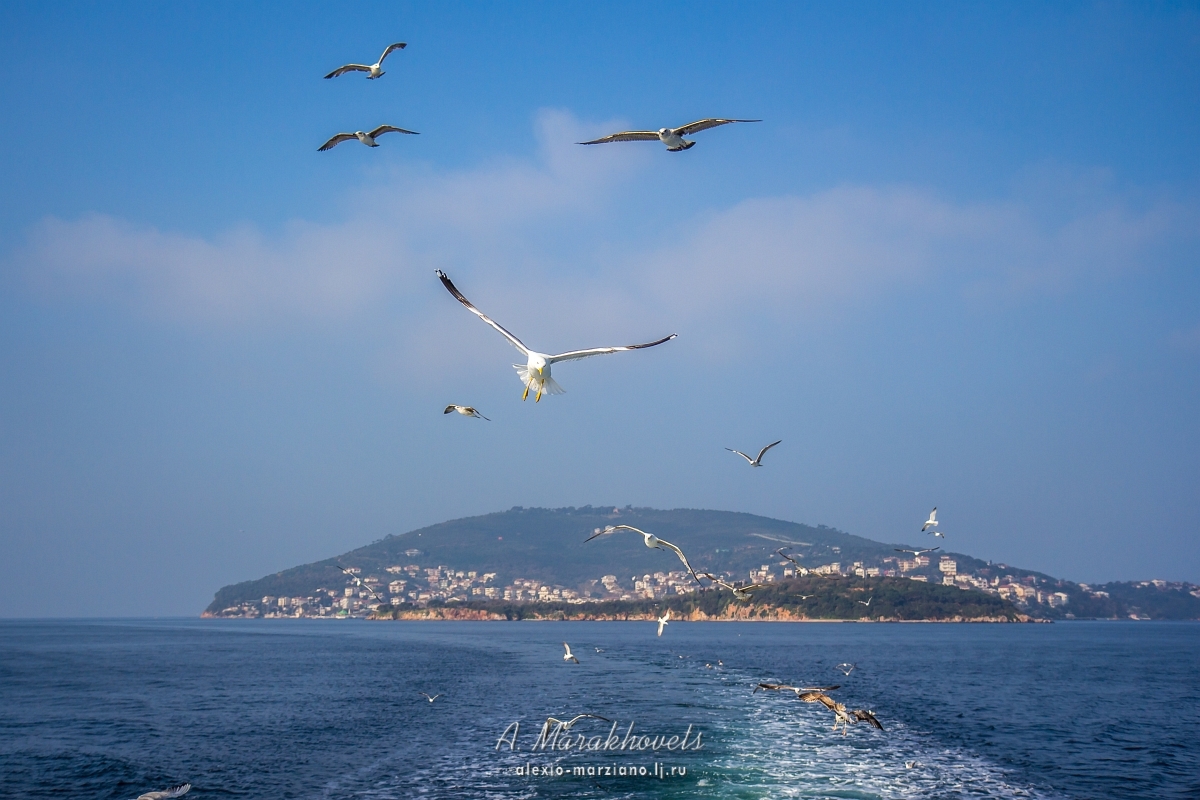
[466,411]
[428,697]
[671,137]
[739,592]
[662,621]
[846,669]
[368,138]
[841,715]
[374,70]
[799,690]
[568,656]
[757,460]
[166,794]
[535,373]
[650,540]
[568,724]
[917,553]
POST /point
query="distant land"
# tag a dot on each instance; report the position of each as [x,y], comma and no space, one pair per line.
[532,563]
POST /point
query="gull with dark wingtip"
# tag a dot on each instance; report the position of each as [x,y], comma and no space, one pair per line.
[366,137]
[757,460]
[466,411]
[373,70]
[535,372]
[650,540]
[671,137]
[359,581]
[167,794]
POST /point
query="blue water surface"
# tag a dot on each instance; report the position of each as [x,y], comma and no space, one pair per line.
[331,709]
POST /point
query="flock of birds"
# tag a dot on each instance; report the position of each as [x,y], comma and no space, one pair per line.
[535,375]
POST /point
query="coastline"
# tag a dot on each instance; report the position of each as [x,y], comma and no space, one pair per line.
[749,613]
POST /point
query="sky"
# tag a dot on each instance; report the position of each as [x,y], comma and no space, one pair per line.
[956,264]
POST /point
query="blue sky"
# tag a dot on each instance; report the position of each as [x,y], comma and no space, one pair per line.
[957,264]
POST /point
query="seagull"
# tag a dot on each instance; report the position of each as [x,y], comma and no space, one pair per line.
[917,553]
[662,621]
[757,460]
[806,596]
[799,690]
[466,411]
[178,791]
[566,726]
[938,534]
[599,649]
[650,540]
[535,373]
[671,137]
[867,603]
[568,656]
[374,71]
[841,715]
[359,581]
[931,522]
[427,697]
[910,764]
[800,568]
[740,592]
[367,138]
[846,668]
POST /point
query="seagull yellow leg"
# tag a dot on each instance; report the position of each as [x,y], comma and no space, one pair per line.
[538,398]
[526,395]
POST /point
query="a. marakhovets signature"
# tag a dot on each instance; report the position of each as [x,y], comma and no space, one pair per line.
[557,738]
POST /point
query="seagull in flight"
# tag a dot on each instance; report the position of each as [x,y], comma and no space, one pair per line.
[740,592]
[359,581]
[374,70]
[166,794]
[757,460]
[841,715]
[368,137]
[568,656]
[938,534]
[650,540]
[917,553]
[931,522]
[799,690]
[867,603]
[535,373]
[800,568]
[427,697]
[910,764]
[566,726]
[806,596]
[662,621]
[846,668]
[671,137]
[466,411]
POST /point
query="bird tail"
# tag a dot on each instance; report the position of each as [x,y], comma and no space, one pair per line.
[549,385]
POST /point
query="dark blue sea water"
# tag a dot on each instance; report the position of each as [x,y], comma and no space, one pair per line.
[330,709]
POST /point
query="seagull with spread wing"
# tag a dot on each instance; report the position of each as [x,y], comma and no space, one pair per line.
[366,137]
[166,794]
[650,540]
[569,656]
[466,411]
[800,568]
[799,690]
[917,553]
[841,715]
[867,603]
[568,724]
[739,592]
[757,460]
[430,698]
[374,70]
[846,668]
[662,621]
[931,522]
[535,373]
[671,137]
[359,581]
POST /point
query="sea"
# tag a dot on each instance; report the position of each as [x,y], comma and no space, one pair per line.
[333,709]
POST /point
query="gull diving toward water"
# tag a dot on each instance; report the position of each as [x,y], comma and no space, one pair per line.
[846,668]
[917,553]
[535,373]
[841,715]
[757,460]
[466,411]
[374,70]
[358,581]
[568,656]
[650,540]
[367,138]
[662,621]
[671,137]
[931,522]
[166,794]
[427,697]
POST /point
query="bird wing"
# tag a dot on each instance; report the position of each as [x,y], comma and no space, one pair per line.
[774,687]
[740,453]
[475,413]
[567,648]
[765,449]
[705,124]
[450,409]
[867,716]
[459,296]
[818,697]
[820,688]
[626,136]
[390,48]
[382,129]
[336,140]
[178,791]
[348,68]
[586,716]
[682,557]
[575,355]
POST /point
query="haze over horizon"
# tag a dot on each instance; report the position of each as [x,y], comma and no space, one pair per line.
[957,264]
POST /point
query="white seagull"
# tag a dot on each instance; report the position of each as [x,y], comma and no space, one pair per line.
[568,656]
[799,690]
[917,553]
[800,568]
[867,603]
[368,138]
[165,794]
[938,534]
[846,668]
[757,460]
[739,592]
[535,373]
[466,411]
[662,621]
[931,522]
[671,137]
[430,699]
[568,724]
[650,540]
[374,70]
[358,580]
